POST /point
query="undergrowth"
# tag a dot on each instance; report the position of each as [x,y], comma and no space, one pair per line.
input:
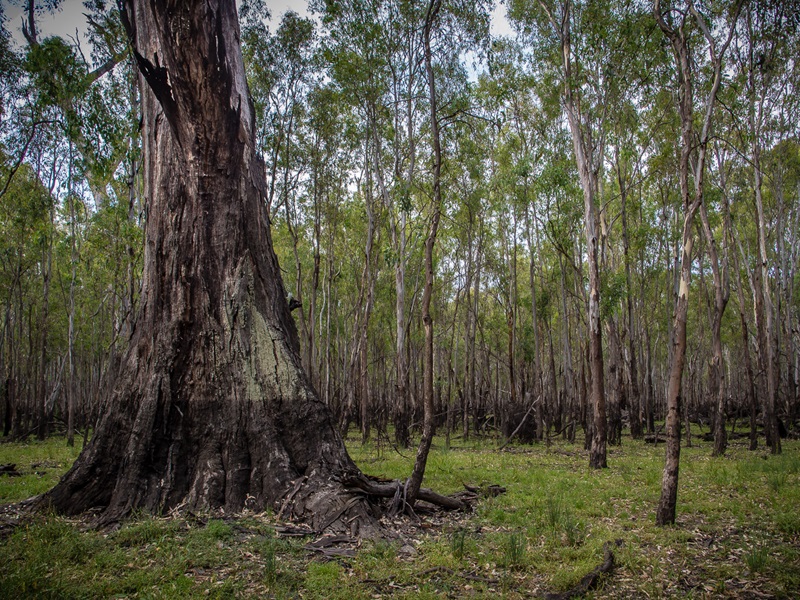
[737,532]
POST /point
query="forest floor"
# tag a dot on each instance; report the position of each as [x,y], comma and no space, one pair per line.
[737,533]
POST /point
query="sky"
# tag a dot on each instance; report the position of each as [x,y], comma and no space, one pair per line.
[70,18]
[64,22]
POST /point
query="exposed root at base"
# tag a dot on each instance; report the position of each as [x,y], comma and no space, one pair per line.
[589,581]
[397,491]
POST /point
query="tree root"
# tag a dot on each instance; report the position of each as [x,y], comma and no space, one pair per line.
[396,490]
[589,581]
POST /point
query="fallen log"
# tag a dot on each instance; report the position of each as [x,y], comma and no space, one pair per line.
[590,580]
[10,470]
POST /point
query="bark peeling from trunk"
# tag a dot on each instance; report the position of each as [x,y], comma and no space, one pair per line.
[211,407]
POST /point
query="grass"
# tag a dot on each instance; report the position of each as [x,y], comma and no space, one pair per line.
[737,532]
[42,464]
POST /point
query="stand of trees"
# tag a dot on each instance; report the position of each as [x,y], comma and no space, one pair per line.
[543,182]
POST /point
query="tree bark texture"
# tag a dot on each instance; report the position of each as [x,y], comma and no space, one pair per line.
[211,407]
[691,143]
[721,296]
[415,481]
[665,512]
[588,154]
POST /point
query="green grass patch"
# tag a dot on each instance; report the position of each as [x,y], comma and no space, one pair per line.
[41,465]
[738,530]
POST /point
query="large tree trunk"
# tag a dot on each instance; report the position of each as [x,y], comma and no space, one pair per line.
[211,407]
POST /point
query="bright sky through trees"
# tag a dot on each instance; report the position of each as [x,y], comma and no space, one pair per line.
[70,19]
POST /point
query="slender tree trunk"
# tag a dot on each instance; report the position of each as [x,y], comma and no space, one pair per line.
[473,383]
[564,399]
[721,295]
[634,398]
[764,311]
[752,400]
[649,404]
[719,270]
[47,267]
[537,358]
[71,391]
[665,513]
[469,341]
[311,340]
[586,155]
[617,389]
[363,375]
[401,364]
[765,314]
[417,474]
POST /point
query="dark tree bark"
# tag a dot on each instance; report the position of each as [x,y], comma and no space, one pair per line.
[635,410]
[719,269]
[211,408]
[750,387]
[588,144]
[692,202]
[427,320]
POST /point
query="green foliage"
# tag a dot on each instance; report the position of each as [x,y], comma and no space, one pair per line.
[457,542]
[514,550]
[756,559]
[336,107]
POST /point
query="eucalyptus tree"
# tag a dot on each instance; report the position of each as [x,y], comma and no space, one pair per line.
[765,52]
[518,152]
[721,277]
[635,115]
[677,24]
[330,144]
[77,106]
[215,410]
[447,27]
[406,84]
[361,47]
[26,222]
[466,172]
[576,38]
[559,208]
[211,407]
[628,168]
[415,481]
[785,190]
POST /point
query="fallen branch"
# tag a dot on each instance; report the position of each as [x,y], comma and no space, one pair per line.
[10,470]
[463,574]
[589,581]
[324,546]
[653,438]
[467,575]
[521,423]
